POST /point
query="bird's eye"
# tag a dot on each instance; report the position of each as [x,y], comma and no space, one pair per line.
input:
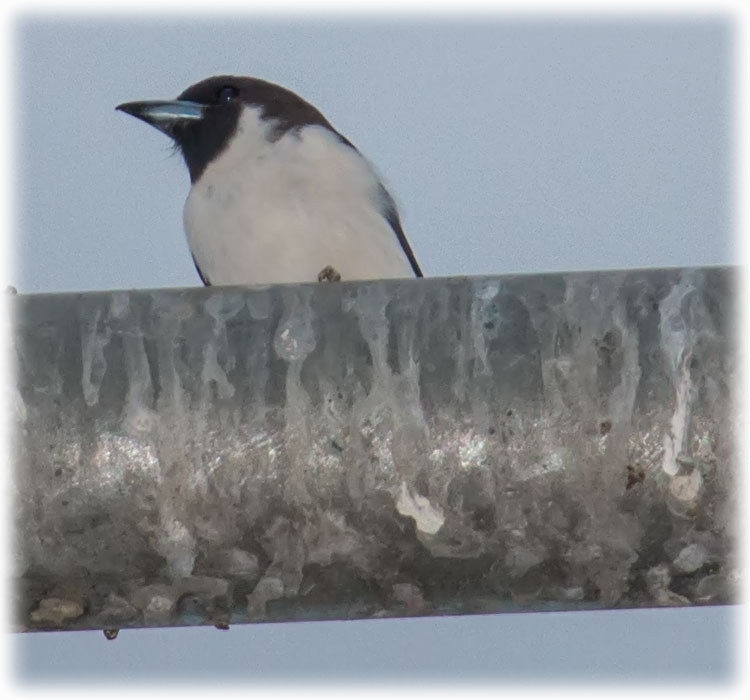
[227,93]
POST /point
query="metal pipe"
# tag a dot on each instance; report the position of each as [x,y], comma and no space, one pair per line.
[390,448]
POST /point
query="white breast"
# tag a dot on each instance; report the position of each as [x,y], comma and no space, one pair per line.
[265,212]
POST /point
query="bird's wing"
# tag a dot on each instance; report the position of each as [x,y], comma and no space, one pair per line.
[204,279]
[389,212]
[391,216]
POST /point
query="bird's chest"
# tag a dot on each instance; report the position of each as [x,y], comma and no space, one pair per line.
[248,191]
[281,215]
[278,186]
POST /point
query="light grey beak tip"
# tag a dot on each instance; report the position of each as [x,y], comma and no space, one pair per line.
[134,109]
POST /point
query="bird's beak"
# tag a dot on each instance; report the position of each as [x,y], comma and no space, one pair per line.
[164,114]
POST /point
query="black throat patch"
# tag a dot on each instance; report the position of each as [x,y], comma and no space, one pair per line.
[201,141]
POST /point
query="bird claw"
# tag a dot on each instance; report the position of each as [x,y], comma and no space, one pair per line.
[329,274]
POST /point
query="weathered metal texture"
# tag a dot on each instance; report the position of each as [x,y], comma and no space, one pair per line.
[396,448]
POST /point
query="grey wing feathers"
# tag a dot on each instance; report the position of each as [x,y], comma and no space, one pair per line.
[204,279]
[391,216]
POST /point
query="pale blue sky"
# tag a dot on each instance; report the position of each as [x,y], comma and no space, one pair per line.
[510,146]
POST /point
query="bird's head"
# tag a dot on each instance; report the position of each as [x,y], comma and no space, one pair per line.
[204,118]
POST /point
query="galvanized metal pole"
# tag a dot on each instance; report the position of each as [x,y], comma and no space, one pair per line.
[354,450]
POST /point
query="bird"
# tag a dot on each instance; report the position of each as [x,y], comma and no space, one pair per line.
[277,194]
